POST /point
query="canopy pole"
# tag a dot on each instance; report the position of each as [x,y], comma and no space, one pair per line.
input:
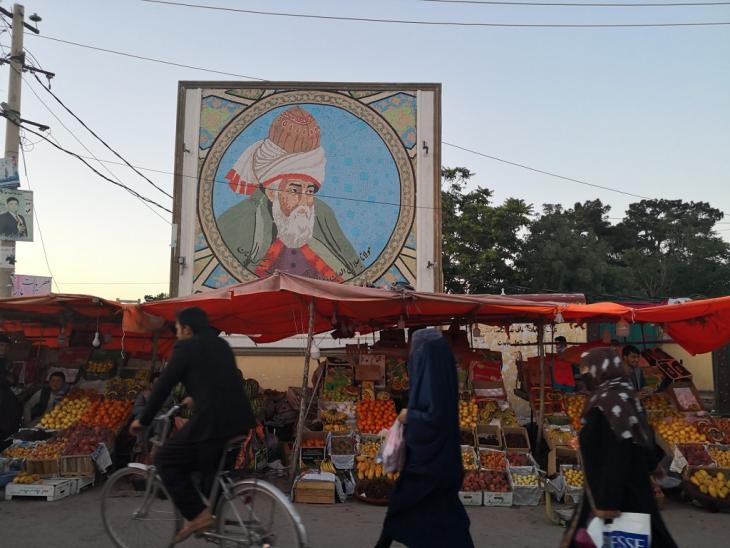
[303,401]
[541,410]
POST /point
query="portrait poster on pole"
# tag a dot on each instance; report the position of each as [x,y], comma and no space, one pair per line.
[16,215]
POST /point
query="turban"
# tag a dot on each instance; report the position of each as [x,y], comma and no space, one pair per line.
[291,151]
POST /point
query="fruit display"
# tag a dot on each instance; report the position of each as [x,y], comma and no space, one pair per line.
[112,414]
[676,430]
[695,454]
[67,413]
[122,389]
[342,445]
[100,368]
[26,479]
[468,458]
[327,466]
[374,416]
[397,375]
[49,450]
[370,447]
[493,460]
[559,436]
[486,480]
[573,477]
[714,484]
[720,454]
[334,421]
[724,426]
[518,459]
[525,480]
[367,468]
[17,452]
[489,440]
[656,403]
[468,415]
[516,440]
[466,437]
[338,385]
[83,440]
[574,406]
[33,434]
[313,443]
[489,410]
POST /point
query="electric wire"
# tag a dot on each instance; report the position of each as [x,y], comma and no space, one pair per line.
[579,5]
[436,23]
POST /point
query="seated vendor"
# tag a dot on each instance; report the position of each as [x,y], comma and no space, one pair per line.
[46,398]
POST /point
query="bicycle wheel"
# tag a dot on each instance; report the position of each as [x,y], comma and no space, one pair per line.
[258,515]
[135,516]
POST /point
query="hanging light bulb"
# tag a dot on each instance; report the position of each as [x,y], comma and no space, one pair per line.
[476,332]
[96,343]
[401,323]
[622,328]
[559,317]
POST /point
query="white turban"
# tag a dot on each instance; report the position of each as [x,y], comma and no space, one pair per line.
[264,163]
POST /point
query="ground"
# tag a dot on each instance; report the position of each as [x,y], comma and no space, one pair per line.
[74,522]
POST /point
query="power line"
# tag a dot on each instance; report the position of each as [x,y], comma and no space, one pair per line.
[523,166]
[435,23]
[88,150]
[102,141]
[143,58]
[577,5]
[87,164]
[38,224]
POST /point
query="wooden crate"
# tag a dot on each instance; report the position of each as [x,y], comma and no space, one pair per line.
[50,489]
[76,466]
[44,468]
[314,492]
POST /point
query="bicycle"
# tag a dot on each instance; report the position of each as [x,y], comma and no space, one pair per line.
[137,510]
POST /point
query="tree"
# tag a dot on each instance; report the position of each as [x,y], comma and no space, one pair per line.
[570,250]
[480,240]
[158,297]
[671,249]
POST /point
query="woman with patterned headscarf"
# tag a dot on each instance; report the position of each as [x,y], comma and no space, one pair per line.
[618,452]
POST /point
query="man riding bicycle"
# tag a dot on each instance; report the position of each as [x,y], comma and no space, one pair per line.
[205,364]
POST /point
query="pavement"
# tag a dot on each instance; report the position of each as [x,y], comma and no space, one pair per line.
[75,522]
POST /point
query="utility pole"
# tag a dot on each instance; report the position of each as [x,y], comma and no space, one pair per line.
[12,129]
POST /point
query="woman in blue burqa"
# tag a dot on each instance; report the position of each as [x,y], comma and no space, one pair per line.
[425,510]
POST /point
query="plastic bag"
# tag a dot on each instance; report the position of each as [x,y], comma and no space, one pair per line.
[392,452]
[629,529]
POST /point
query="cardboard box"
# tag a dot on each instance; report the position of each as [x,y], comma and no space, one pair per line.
[685,397]
[561,455]
[314,492]
[518,430]
[471,498]
[50,489]
[371,368]
[500,499]
[489,430]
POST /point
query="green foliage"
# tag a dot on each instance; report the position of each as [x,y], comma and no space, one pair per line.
[662,248]
[158,297]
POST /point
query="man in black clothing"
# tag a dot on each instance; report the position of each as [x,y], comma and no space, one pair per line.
[632,359]
[206,366]
[12,223]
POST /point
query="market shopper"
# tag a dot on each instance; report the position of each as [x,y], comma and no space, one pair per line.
[632,359]
[10,412]
[46,398]
[424,509]
[204,363]
[618,452]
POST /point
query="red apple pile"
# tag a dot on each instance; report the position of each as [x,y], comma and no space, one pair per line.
[486,480]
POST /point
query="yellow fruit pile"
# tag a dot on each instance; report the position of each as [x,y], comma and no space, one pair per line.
[16,452]
[468,412]
[720,456]
[573,476]
[679,431]
[717,485]
[524,480]
[468,458]
[370,448]
[26,479]
[368,469]
[574,409]
[656,402]
[559,437]
[67,413]
[50,450]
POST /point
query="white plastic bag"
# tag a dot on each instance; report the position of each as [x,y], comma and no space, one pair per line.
[629,529]
[392,453]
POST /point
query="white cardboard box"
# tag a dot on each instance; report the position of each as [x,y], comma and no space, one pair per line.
[51,489]
[471,498]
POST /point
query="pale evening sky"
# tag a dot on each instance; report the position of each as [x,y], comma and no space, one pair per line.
[645,110]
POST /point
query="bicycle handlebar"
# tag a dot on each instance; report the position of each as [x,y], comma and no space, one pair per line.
[171,413]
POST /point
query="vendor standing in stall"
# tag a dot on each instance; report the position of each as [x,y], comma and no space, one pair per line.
[632,359]
[46,398]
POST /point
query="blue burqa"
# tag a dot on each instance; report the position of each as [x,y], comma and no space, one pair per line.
[425,510]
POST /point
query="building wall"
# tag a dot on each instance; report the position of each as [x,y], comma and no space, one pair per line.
[700,366]
[275,372]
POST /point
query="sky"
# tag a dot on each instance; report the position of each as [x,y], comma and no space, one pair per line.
[644,110]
